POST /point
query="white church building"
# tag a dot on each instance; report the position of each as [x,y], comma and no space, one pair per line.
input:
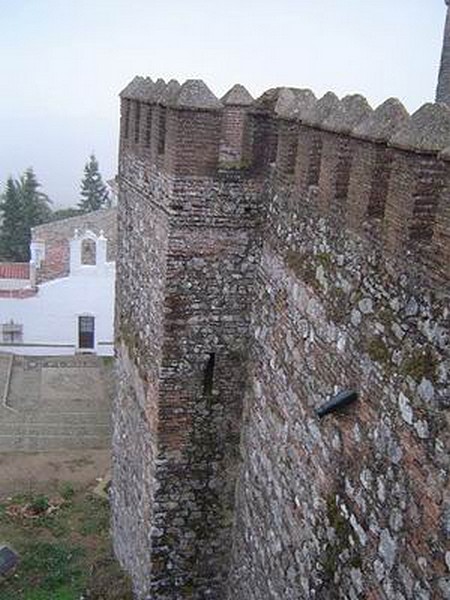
[62,302]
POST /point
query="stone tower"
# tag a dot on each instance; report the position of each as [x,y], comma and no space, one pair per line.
[443,87]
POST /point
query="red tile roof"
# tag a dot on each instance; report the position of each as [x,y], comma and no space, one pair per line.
[14,271]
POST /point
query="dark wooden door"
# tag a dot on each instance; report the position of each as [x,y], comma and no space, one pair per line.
[86,332]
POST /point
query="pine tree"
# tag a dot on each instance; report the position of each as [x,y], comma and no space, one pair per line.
[13,232]
[94,194]
[23,206]
[36,204]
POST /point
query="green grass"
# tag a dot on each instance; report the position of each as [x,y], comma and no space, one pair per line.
[63,554]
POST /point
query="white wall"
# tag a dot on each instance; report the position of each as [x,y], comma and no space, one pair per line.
[51,317]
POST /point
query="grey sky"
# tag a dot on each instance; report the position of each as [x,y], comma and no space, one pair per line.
[63,63]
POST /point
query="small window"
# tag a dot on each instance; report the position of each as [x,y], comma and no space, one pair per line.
[86,332]
[208,377]
[88,252]
[12,333]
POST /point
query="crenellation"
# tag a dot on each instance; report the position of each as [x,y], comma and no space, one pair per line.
[290,107]
[167,96]
[309,149]
[441,232]
[427,131]
[349,113]
[383,123]
[417,184]
[371,166]
[236,103]
[337,152]
[288,134]
[336,161]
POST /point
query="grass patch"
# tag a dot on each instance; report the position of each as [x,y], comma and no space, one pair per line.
[65,553]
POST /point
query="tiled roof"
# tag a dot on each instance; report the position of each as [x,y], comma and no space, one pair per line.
[14,271]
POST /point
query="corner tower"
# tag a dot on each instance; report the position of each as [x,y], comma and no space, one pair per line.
[187,264]
[443,87]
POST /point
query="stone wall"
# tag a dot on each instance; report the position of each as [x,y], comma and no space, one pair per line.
[247,297]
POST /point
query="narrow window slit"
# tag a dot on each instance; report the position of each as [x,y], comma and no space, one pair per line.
[208,381]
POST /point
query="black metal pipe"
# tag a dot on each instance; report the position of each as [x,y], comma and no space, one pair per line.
[342,399]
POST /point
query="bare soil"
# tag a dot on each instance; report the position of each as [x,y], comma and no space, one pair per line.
[22,472]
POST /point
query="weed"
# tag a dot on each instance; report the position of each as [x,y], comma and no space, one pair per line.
[95,516]
[39,504]
[67,490]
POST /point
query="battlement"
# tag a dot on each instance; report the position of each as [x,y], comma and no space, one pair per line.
[382,173]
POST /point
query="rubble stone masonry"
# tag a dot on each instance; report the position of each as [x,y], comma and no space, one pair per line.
[253,284]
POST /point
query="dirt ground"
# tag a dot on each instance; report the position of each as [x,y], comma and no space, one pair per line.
[22,472]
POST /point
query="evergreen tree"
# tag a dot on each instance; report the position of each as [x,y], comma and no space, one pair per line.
[23,206]
[94,194]
[13,232]
[36,205]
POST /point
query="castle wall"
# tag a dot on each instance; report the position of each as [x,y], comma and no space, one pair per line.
[353,505]
[143,241]
[247,298]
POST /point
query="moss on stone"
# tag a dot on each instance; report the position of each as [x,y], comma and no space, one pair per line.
[343,531]
[385,316]
[235,165]
[338,310]
[126,336]
[188,590]
[378,350]
[324,258]
[420,364]
[303,265]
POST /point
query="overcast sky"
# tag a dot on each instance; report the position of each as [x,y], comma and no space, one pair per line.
[63,62]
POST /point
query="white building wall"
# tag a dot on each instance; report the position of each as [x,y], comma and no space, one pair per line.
[50,318]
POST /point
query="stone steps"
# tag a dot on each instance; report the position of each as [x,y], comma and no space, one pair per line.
[59,403]
[27,431]
[56,417]
[20,428]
